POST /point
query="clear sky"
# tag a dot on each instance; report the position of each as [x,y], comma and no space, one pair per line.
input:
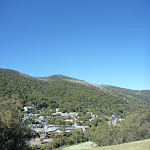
[99,41]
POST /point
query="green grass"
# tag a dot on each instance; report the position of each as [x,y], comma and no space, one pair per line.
[138,145]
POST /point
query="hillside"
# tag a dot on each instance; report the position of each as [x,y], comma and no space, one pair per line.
[70,94]
[138,145]
[132,96]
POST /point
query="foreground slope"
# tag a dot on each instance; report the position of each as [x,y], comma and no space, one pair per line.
[70,94]
[85,145]
[138,145]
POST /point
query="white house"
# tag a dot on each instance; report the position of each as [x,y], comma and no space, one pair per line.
[64,114]
[28,109]
[83,128]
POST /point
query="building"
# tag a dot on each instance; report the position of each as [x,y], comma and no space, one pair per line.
[29,109]
[64,114]
[82,128]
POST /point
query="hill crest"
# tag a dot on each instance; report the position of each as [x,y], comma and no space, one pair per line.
[58,90]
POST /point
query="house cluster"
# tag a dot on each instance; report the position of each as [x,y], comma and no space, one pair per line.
[64,115]
[93,116]
[41,125]
[30,112]
[114,120]
[56,129]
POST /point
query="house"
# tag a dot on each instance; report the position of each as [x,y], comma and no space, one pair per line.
[76,123]
[29,109]
[82,128]
[51,128]
[64,114]
[36,127]
[56,115]
[109,122]
[57,131]
[42,117]
[113,116]
[117,120]
[72,114]
[87,121]
[44,135]
[69,120]
[47,117]
[57,109]
[69,128]
[37,115]
[91,119]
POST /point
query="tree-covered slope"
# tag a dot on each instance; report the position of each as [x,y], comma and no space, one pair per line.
[67,93]
[132,96]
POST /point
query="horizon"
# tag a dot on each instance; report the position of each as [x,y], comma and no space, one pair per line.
[101,42]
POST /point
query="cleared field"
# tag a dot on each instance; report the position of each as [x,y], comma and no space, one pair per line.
[139,145]
[85,145]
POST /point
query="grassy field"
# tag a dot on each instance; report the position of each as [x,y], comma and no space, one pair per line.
[85,145]
[139,145]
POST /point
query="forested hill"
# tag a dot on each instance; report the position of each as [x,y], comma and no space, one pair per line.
[70,94]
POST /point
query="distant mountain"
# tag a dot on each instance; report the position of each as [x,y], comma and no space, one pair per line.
[70,94]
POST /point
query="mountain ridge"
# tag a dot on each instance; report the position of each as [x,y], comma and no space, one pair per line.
[71,79]
[70,94]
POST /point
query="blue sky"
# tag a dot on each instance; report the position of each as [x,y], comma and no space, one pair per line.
[100,41]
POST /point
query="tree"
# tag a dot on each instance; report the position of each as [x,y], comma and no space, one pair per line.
[88,135]
[13,134]
[77,136]
[62,128]
[135,127]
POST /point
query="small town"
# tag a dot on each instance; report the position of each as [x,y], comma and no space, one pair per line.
[40,123]
[75,75]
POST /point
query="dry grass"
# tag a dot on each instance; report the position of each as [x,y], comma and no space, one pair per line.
[139,145]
